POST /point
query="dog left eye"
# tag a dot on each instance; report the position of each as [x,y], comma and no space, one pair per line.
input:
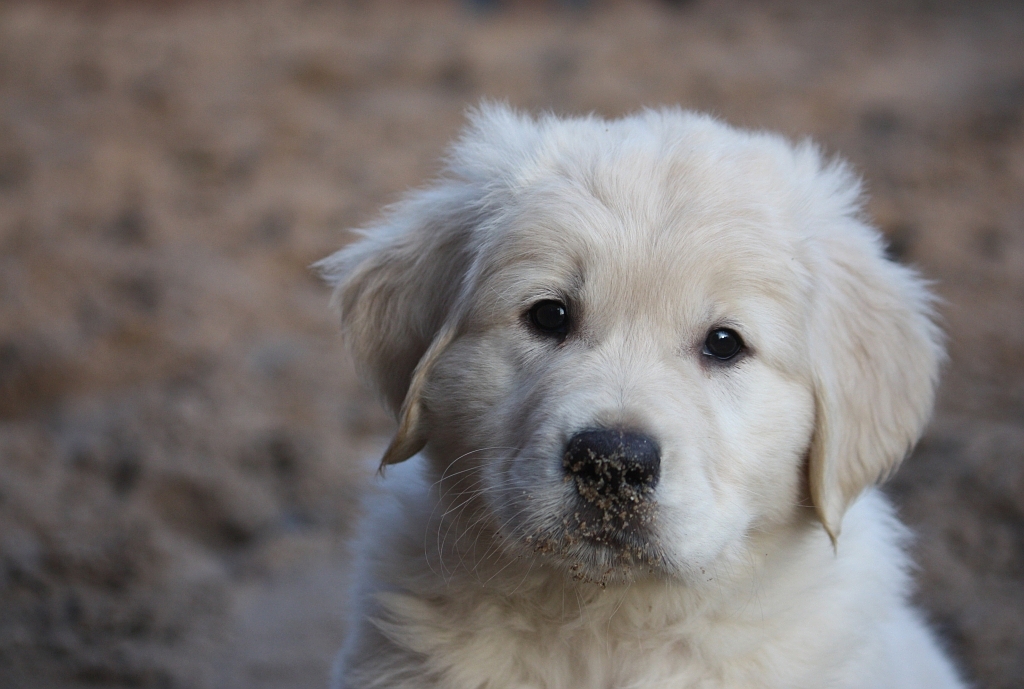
[723,344]
[550,317]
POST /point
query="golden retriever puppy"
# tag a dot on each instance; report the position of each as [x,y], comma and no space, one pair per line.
[646,372]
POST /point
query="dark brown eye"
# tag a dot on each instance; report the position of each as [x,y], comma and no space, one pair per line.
[550,317]
[723,344]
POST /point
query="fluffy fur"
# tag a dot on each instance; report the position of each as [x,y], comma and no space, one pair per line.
[764,558]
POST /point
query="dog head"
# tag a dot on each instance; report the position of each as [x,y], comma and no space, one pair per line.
[633,343]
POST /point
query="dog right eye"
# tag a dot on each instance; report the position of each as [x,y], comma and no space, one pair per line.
[550,317]
[723,344]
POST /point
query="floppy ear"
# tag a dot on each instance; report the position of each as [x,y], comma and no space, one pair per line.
[875,353]
[397,288]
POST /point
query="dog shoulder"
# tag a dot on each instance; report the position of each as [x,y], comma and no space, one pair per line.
[873,566]
[387,551]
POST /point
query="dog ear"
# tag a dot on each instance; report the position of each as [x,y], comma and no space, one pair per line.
[397,288]
[876,352]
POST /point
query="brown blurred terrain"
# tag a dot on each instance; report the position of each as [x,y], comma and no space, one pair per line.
[182,440]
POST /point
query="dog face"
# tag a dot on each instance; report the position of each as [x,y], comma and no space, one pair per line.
[635,296]
[628,346]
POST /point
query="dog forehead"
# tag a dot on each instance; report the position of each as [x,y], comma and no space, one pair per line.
[646,229]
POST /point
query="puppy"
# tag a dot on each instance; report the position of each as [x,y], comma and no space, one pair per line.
[645,373]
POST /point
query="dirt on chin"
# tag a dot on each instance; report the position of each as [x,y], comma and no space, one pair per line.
[182,441]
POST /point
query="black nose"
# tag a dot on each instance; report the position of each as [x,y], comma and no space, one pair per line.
[612,463]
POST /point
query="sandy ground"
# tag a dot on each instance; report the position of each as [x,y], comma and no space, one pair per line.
[182,440]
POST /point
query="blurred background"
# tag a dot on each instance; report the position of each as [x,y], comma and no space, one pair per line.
[182,440]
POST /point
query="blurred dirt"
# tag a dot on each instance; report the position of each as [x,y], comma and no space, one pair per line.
[181,438]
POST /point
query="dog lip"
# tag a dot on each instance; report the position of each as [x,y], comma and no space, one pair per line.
[607,526]
[596,553]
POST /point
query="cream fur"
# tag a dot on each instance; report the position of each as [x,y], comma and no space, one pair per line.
[655,229]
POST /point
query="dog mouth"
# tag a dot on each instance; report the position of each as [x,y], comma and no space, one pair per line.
[593,549]
[612,533]
[609,513]
[607,529]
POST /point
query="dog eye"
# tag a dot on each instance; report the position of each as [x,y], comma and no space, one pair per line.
[723,344]
[550,317]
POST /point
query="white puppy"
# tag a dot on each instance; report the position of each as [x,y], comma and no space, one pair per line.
[645,371]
